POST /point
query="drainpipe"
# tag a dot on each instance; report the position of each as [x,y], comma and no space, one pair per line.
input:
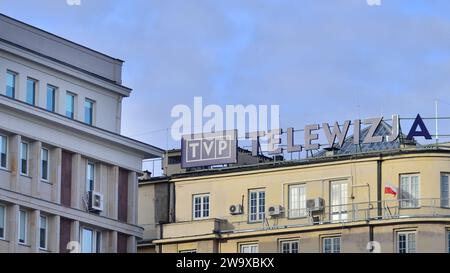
[379,187]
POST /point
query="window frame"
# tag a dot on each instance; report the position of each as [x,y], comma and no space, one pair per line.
[249,245]
[407,246]
[445,202]
[289,242]
[6,152]
[73,95]
[88,164]
[35,91]
[15,75]
[27,158]
[95,244]
[339,208]
[42,165]
[202,206]
[333,243]
[92,102]
[25,240]
[260,216]
[403,201]
[3,236]
[54,88]
[45,247]
[448,240]
[300,214]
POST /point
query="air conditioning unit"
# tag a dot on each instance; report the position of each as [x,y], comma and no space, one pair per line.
[236,209]
[275,210]
[95,201]
[316,204]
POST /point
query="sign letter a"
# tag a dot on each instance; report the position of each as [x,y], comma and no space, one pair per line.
[418,122]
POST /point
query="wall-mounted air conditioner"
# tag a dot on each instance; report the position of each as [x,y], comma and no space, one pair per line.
[275,210]
[95,201]
[316,204]
[236,209]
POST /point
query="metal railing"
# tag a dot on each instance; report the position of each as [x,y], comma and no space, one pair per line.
[342,213]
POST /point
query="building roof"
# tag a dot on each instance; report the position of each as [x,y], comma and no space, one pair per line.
[17,35]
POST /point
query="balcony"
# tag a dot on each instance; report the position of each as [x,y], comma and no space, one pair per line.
[340,214]
[352,213]
[194,228]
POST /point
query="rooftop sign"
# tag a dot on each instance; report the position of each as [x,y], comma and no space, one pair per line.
[206,149]
[220,148]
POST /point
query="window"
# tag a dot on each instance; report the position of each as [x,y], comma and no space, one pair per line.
[257,205]
[289,246]
[90,240]
[249,248]
[406,242]
[70,105]
[11,84]
[339,195]
[98,241]
[2,221]
[3,151]
[332,245]
[297,201]
[88,111]
[51,98]
[90,176]
[44,164]
[23,222]
[448,240]
[201,206]
[24,158]
[43,232]
[444,190]
[31,91]
[409,191]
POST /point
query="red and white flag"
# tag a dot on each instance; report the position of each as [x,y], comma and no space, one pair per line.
[389,189]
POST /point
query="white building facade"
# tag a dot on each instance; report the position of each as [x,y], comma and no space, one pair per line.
[68,179]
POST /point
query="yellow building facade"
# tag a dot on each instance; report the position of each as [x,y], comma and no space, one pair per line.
[334,203]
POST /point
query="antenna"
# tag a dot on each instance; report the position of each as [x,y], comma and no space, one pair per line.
[436,119]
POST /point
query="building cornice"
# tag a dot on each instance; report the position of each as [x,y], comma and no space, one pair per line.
[63,67]
[80,215]
[77,127]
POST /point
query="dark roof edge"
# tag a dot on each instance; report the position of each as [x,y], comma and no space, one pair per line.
[59,37]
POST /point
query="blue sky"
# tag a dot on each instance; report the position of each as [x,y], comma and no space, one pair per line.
[320,60]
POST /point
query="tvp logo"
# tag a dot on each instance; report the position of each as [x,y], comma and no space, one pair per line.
[208,149]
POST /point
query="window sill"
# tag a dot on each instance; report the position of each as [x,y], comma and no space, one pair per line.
[407,208]
[255,222]
[25,175]
[46,182]
[5,170]
[199,219]
[24,244]
[297,217]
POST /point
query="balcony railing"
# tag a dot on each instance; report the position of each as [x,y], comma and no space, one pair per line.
[342,213]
